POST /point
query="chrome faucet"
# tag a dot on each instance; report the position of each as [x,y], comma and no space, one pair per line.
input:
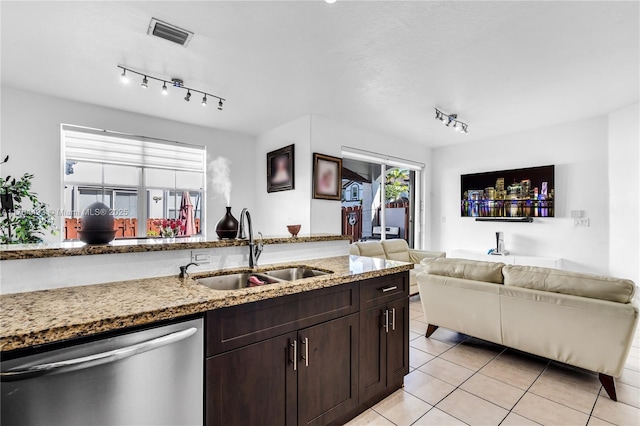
[183,270]
[254,250]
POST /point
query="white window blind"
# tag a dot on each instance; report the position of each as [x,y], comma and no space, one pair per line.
[101,146]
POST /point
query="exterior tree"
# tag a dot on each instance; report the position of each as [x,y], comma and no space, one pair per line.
[397,182]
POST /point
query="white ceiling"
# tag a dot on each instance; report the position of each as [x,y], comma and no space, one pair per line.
[502,66]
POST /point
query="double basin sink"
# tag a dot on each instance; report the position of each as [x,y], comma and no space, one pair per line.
[254,279]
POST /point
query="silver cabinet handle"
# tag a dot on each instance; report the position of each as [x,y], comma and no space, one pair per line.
[305,342]
[294,345]
[393,319]
[386,289]
[84,362]
[386,320]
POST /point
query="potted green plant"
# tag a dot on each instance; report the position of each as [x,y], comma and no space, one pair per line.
[20,224]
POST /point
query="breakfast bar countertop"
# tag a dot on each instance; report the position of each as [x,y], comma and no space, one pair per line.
[138,245]
[48,316]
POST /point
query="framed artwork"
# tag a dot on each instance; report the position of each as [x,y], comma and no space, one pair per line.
[281,169]
[327,177]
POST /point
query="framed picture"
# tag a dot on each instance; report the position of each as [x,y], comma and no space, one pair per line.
[281,169]
[327,177]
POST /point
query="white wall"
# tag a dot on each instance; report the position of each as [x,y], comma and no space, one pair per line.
[31,137]
[579,152]
[277,209]
[624,192]
[313,133]
[329,136]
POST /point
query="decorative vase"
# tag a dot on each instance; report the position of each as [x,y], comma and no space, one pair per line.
[227,227]
[97,224]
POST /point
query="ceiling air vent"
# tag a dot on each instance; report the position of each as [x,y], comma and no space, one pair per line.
[169,32]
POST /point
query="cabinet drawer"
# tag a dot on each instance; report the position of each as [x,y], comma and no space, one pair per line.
[376,291]
[237,326]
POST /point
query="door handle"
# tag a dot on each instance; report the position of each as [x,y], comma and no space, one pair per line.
[391,288]
[393,319]
[294,346]
[305,342]
[386,320]
[84,362]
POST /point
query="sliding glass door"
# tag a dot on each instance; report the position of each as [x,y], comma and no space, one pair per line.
[382,197]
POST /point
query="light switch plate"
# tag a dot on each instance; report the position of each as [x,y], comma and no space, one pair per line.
[581,222]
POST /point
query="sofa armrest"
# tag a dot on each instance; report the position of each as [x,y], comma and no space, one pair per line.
[416,256]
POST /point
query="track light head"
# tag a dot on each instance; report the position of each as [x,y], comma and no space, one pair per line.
[164,88]
[220,105]
[123,77]
[188,96]
[145,83]
[204,100]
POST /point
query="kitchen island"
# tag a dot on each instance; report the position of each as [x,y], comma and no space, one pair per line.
[324,348]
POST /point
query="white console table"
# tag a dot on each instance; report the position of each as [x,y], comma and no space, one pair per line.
[511,259]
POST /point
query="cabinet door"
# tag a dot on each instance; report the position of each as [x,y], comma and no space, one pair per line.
[373,353]
[254,385]
[327,371]
[398,341]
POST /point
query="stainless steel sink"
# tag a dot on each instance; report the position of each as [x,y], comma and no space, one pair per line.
[290,274]
[235,281]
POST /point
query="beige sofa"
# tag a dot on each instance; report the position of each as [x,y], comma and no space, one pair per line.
[584,320]
[396,250]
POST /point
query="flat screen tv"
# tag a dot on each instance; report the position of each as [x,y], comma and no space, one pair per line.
[526,192]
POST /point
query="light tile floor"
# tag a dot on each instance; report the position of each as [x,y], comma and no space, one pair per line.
[460,380]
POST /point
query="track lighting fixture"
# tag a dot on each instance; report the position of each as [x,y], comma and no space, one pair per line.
[451,120]
[176,82]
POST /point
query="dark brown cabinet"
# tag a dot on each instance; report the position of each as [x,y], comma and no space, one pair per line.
[384,340]
[300,359]
[327,371]
[252,385]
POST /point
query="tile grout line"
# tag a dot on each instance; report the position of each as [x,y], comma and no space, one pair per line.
[525,392]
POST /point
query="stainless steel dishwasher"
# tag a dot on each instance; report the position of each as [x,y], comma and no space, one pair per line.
[149,377]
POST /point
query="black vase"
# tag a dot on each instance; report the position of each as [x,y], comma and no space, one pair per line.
[227,227]
[97,224]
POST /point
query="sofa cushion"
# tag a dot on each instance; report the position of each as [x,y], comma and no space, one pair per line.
[490,272]
[371,249]
[573,283]
[418,256]
[396,250]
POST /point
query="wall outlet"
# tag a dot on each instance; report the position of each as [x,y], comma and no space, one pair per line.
[581,222]
[200,257]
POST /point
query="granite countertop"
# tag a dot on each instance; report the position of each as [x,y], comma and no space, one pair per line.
[40,317]
[137,245]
